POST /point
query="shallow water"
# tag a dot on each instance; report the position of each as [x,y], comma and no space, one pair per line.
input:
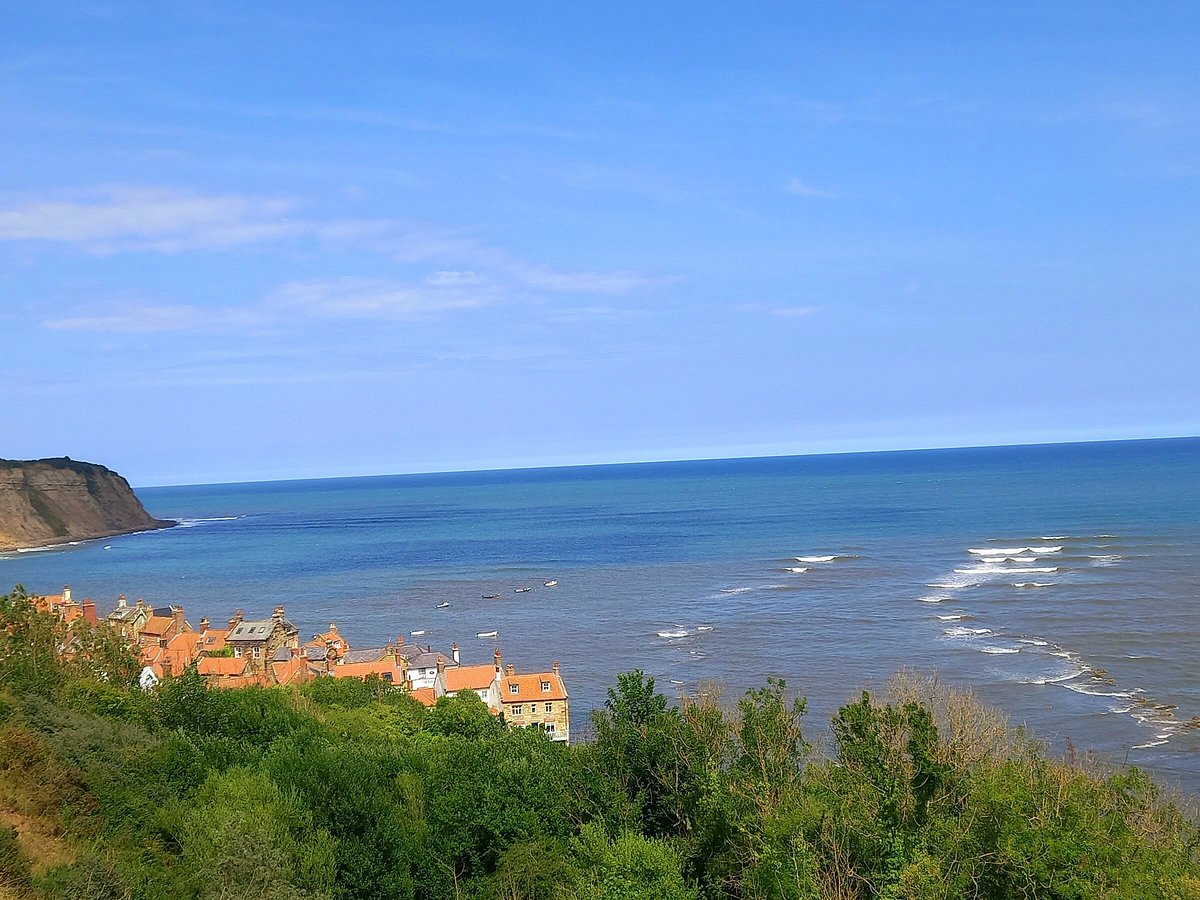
[1061,582]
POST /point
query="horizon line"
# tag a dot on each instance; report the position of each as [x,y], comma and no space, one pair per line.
[696,459]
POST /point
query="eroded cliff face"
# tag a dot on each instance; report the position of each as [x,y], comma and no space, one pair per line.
[50,501]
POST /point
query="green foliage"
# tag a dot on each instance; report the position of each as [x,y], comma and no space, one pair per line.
[632,867]
[243,836]
[350,790]
[15,872]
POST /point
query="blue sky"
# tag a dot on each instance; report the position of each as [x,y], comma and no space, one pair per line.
[248,241]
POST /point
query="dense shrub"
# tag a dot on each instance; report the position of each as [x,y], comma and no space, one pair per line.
[346,790]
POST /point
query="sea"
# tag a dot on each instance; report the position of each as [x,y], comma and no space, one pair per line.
[1061,583]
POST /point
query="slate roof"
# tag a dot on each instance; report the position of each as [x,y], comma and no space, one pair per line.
[259,630]
[371,654]
[423,658]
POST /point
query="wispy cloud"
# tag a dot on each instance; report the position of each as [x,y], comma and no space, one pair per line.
[368,298]
[147,318]
[783,312]
[801,188]
[139,218]
[542,278]
[461,271]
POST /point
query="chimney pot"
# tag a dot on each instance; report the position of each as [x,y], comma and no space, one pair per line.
[510,670]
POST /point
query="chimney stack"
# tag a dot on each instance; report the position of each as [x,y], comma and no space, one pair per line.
[177,613]
[203,625]
[454,653]
[235,621]
[400,640]
[441,664]
[121,602]
[278,614]
[141,604]
[67,594]
[555,667]
[499,662]
[510,670]
[89,612]
[333,628]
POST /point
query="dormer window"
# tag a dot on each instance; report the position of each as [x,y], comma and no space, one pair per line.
[546,686]
[514,689]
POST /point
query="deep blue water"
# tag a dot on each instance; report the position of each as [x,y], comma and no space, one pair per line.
[683,570]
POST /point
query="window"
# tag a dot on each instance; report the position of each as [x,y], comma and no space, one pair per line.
[545,686]
[549,707]
[516,710]
[256,652]
[513,689]
[387,676]
[550,728]
[237,651]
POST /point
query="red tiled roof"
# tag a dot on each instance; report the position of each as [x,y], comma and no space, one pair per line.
[529,687]
[380,667]
[424,696]
[180,652]
[294,670]
[158,625]
[469,678]
[221,666]
[212,640]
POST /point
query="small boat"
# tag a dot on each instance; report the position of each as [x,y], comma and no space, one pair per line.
[491,596]
[486,634]
[549,583]
[443,604]
[522,590]
[108,546]
[416,633]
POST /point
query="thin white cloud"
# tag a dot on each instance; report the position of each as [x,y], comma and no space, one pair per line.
[369,298]
[545,279]
[139,218]
[783,312]
[793,312]
[149,318]
[801,188]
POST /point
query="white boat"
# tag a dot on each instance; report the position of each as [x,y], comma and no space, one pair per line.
[486,634]
[443,604]
[416,633]
[522,590]
[549,583]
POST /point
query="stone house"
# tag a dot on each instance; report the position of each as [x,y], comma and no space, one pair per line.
[128,620]
[537,700]
[256,641]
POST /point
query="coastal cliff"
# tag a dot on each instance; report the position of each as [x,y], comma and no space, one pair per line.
[51,501]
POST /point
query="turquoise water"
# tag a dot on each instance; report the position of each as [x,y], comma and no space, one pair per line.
[685,571]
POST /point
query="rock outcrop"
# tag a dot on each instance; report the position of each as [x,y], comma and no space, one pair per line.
[52,501]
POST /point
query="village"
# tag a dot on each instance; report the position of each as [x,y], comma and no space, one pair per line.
[269,652]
